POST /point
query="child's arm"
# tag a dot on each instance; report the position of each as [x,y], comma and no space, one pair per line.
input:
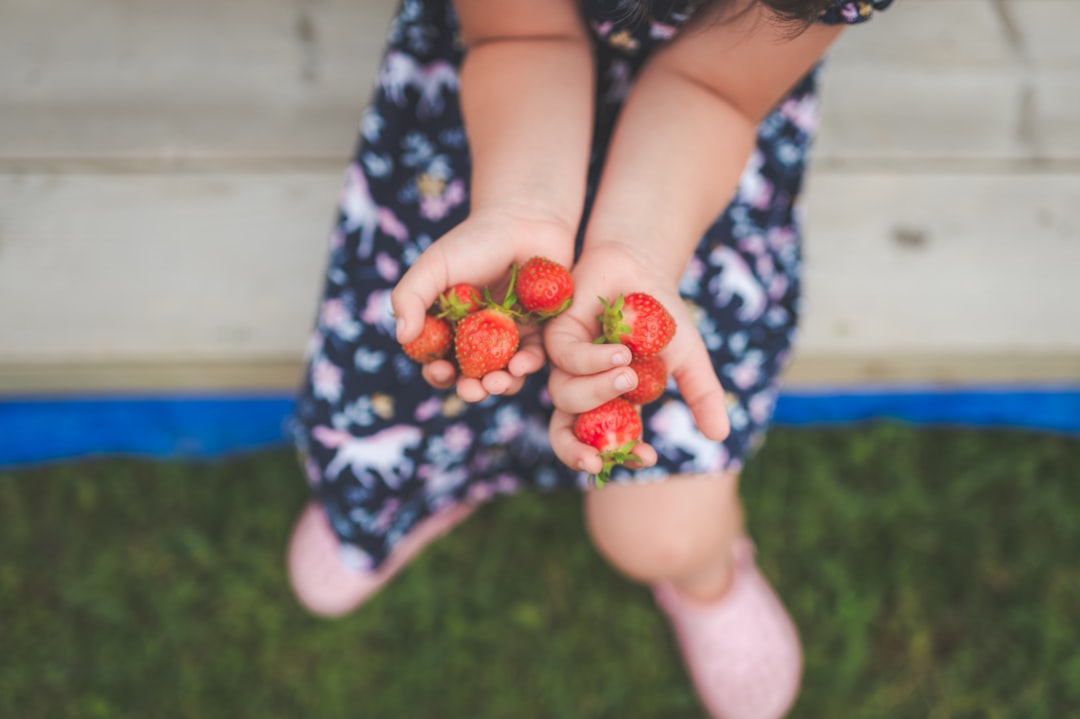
[526,97]
[678,152]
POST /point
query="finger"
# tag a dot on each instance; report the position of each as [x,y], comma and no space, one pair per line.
[575,394]
[571,349]
[471,389]
[646,456]
[569,449]
[501,383]
[530,357]
[416,291]
[440,374]
[703,393]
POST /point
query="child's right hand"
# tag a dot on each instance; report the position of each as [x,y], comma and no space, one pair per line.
[585,375]
[480,251]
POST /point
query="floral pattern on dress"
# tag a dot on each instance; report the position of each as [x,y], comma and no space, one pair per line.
[381,449]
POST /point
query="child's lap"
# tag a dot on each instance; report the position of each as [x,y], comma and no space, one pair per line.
[383,449]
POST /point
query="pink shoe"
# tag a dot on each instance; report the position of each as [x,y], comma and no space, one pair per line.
[325,586]
[742,652]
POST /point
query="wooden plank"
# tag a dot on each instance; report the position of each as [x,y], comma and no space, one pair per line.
[188,278]
[942,264]
[1047,30]
[122,80]
[930,34]
[43,379]
[136,83]
[97,377]
[1055,115]
[879,112]
[942,370]
[184,266]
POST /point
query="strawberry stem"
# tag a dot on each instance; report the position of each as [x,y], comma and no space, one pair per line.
[612,326]
[614,458]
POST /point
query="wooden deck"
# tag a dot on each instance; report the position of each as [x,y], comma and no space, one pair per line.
[168,173]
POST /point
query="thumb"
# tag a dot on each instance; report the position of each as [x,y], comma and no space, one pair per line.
[416,291]
[703,393]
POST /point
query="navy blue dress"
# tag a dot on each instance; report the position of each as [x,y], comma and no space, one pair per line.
[381,448]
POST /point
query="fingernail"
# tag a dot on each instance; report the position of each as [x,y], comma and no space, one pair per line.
[620,358]
[399,326]
[581,465]
[623,382]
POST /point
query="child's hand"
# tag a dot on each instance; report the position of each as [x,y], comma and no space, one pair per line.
[585,375]
[479,251]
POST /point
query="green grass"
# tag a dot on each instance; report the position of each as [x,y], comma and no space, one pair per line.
[932,573]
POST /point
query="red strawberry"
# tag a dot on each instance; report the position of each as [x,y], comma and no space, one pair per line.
[485,341]
[434,341]
[651,379]
[460,300]
[544,288]
[638,321]
[613,428]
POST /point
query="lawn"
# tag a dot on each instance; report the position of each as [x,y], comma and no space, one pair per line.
[933,573]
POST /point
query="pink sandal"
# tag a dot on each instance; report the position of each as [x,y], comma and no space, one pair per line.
[742,652]
[329,588]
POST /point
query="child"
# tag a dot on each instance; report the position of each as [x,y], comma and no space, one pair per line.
[653,146]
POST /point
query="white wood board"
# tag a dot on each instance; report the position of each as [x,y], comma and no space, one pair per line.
[173,266]
[1055,115]
[227,267]
[1046,30]
[126,82]
[930,34]
[942,264]
[882,112]
[136,79]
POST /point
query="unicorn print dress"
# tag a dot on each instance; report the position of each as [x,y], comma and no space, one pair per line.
[382,449]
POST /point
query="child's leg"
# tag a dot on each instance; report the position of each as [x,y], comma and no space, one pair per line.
[681,530]
[326,586]
[684,537]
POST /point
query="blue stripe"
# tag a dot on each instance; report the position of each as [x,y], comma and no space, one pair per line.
[201,427]
[187,426]
[1055,409]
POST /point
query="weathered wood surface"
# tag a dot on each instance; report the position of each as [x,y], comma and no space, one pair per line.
[187,266]
[168,173]
[137,81]
[208,268]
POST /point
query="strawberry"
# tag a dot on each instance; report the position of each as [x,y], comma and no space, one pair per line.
[613,428]
[638,321]
[544,287]
[486,340]
[434,341]
[460,300]
[651,379]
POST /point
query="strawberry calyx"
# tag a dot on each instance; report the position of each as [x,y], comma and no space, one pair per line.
[639,321]
[612,325]
[545,315]
[508,306]
[613,458]
[458,302]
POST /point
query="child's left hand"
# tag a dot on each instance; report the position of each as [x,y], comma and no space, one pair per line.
[585,375]
[479,251]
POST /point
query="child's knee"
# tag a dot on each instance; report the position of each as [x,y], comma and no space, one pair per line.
[652,532]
